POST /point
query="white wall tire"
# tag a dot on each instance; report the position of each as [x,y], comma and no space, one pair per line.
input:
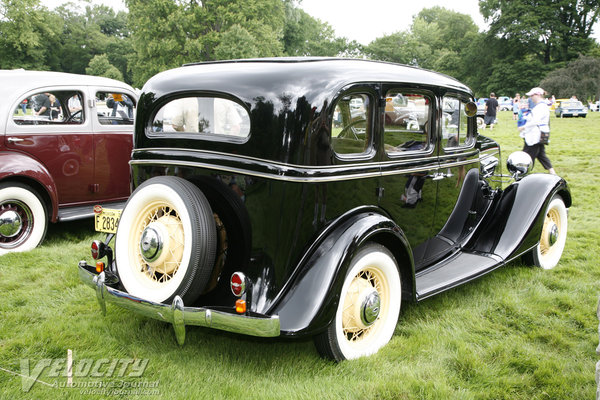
[348,336]
[548,252]
[180,216]
[22,205]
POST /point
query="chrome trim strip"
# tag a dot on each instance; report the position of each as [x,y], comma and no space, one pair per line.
[177,314]
[241,171]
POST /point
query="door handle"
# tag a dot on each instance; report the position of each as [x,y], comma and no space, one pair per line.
[14,140]
[440,175]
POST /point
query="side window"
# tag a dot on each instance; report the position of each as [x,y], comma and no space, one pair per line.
[407,126]
[207,115]
[115,108]
[350,132]
[50,108]
[455,127]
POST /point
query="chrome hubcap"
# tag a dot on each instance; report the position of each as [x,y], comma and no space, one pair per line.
[370,308]
[10,224]
[151,243]
[552,234]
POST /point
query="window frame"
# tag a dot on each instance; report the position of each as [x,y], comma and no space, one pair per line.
[429,148]
[208,136]
[471,137]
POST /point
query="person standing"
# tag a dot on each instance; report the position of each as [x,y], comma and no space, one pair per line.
[516,106]
[536,122]
[491,107]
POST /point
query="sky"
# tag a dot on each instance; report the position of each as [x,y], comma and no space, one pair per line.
[363,20]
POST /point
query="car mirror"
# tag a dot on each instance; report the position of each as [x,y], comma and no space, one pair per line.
[519,164]
[471,109]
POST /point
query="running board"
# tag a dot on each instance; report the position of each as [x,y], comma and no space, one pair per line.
[454,271]
[87,211]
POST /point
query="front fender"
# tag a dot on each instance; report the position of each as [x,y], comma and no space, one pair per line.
[514,224]
[22,168]
[310,299]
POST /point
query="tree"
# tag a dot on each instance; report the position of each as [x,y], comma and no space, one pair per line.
[581,77]
[26,29]
[169,33]
[307,36]
[553,30]
[100,66]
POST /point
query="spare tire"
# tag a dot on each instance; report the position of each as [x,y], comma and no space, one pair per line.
[166,241]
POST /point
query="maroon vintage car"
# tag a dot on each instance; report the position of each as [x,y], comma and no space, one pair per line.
[65,143]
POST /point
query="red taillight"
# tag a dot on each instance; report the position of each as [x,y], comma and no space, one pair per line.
[98,249]
[238,284]
[95,249]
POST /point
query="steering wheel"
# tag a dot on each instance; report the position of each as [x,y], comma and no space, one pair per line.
[76,114]
[351,126]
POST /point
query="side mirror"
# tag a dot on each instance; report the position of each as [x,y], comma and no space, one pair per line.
[519,164]
[471,109]
[488,167]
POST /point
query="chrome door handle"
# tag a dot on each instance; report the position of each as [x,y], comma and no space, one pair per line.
[14,140]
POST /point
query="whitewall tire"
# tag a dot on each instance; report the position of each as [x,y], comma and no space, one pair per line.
[548,252]
[23,218]
[166,241]
[368,308]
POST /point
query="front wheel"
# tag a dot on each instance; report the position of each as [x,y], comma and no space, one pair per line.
[166,241]
[23,218]
[547,253]
[368,307]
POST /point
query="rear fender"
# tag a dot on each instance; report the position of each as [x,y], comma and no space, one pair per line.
[309,300]
[21,168]
[513,225]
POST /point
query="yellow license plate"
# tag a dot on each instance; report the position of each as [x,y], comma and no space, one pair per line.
[107,220]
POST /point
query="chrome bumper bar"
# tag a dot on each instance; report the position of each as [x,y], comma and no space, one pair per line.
[176,313]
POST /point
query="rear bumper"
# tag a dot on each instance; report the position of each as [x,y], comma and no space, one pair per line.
[176,313]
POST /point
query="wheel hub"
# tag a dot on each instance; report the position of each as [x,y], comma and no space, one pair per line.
[370,308]
[361,307]
[151,243]
[552,233]
[10,224]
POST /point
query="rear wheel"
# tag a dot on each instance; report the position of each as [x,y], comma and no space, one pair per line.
[166,241]
[23,218]
[547,253]
[368,308]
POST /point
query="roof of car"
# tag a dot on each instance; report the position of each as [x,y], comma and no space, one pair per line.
[13,83]
[297,75]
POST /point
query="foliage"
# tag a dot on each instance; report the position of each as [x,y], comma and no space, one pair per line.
[580,77]
[555,30]
[519,333]
[308,36]
[101,66]
[27,31]
[169,33]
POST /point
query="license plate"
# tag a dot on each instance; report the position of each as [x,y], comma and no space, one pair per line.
[107,220]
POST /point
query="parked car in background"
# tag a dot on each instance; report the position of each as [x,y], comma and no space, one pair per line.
[556,103]
[505,103]
[594,107]
[255,212]
[62,153]
[570,108]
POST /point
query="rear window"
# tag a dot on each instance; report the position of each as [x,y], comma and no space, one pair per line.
[202,116]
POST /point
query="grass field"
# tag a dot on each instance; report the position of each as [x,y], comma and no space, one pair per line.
[518,333]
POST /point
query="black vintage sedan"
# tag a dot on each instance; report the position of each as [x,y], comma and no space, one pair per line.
[274,198]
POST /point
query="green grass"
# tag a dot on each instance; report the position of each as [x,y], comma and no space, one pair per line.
[518,333]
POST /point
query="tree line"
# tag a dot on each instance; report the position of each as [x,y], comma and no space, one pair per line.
[528,43]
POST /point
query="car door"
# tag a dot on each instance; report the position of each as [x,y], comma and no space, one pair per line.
[457,179]
[409,161]
[60,139]
[112,119]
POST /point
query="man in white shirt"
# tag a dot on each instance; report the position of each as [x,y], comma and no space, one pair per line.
[537,122]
